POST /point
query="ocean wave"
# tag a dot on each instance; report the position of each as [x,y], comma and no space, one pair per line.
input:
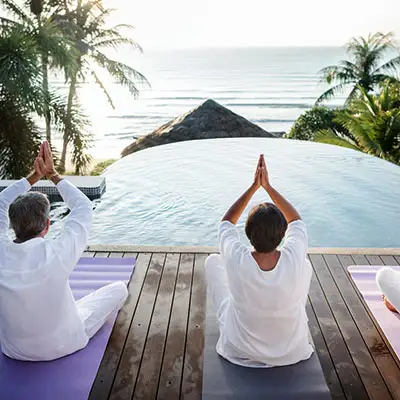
[222,98]
[133,116]
[270,105]
[267,120]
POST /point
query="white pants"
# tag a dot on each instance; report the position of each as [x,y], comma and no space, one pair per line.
[217,285]
[97,307]
[388,281]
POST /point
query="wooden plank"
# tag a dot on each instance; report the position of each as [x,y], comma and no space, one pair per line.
[369,373]
[325,359]
[150,367]
[374,260]
[397,258]
[346,370]
[372,337]
[389,260]
[130,255]
[192,382]
[116,255]
[102,254]
[359,259]
[89,254]
[172,366]
[112,356]
[125,380]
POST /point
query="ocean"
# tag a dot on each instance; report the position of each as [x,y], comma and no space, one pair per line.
[269,86]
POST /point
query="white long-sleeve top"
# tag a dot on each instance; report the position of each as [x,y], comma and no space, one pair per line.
[266,322]
[39,320]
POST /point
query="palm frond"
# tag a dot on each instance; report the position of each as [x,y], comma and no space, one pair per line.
[331,92]
[19,138]
[20,74]
[390,66]
[329,136]
[60,48]
[115,32]
[122,73]
[7,23]
[97,21]
[17,11]
[115,43]
[103,88]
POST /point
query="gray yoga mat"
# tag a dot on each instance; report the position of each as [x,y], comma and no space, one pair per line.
[224,380]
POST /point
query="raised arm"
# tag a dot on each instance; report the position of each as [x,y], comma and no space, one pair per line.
[7,197]
[72,241]
[289,212]
[237,208]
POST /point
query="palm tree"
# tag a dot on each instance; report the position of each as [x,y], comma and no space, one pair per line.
[372,123]
[91,35]
[365,69]
[55,48]
[20,95]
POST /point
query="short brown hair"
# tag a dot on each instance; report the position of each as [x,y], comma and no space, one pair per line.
[265,227]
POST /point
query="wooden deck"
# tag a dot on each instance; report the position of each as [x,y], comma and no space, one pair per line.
[155,350]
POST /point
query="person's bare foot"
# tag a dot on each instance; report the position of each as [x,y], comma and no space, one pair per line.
[388,304]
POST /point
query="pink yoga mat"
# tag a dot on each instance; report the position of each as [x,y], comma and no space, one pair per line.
[72,377]
[364,278]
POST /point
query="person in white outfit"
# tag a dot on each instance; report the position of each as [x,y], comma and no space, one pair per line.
[39,318]
[388,281]
[260,294]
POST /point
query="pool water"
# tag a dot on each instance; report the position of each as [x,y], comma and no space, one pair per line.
[176,194]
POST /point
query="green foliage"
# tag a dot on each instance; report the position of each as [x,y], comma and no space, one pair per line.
[19,138]
[312,121]
[373,122]
[30,44]
[20,75]
[366,70]
[100,167]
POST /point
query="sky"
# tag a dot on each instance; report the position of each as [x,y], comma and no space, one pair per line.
[242,23]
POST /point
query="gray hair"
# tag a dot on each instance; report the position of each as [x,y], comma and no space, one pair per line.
[29,215]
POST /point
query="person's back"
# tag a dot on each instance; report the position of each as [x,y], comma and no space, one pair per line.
[261,294]
[39,317]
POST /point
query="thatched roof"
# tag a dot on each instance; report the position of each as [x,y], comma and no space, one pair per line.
[209,120]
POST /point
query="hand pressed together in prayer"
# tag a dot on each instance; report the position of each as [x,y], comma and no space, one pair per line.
[44,166]
[261,178]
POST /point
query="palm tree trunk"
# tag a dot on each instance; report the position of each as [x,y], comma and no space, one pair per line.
[68,121]
[45,86]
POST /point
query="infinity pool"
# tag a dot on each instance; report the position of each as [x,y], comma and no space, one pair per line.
[176,194]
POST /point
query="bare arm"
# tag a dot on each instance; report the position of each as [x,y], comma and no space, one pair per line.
[8,195]
[237,208]
[289,212]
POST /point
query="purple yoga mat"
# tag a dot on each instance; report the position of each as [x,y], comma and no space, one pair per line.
[364,278]
[72,377]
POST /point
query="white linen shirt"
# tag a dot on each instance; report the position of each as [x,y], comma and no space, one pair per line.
[39,320]
[265,322]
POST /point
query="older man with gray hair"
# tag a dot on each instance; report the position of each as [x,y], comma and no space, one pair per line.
[39,318]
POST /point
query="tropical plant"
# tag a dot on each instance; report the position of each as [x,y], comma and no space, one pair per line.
[55,50]
[372,122]
[312,121]
[367,68]
[20,95]
[88,20]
